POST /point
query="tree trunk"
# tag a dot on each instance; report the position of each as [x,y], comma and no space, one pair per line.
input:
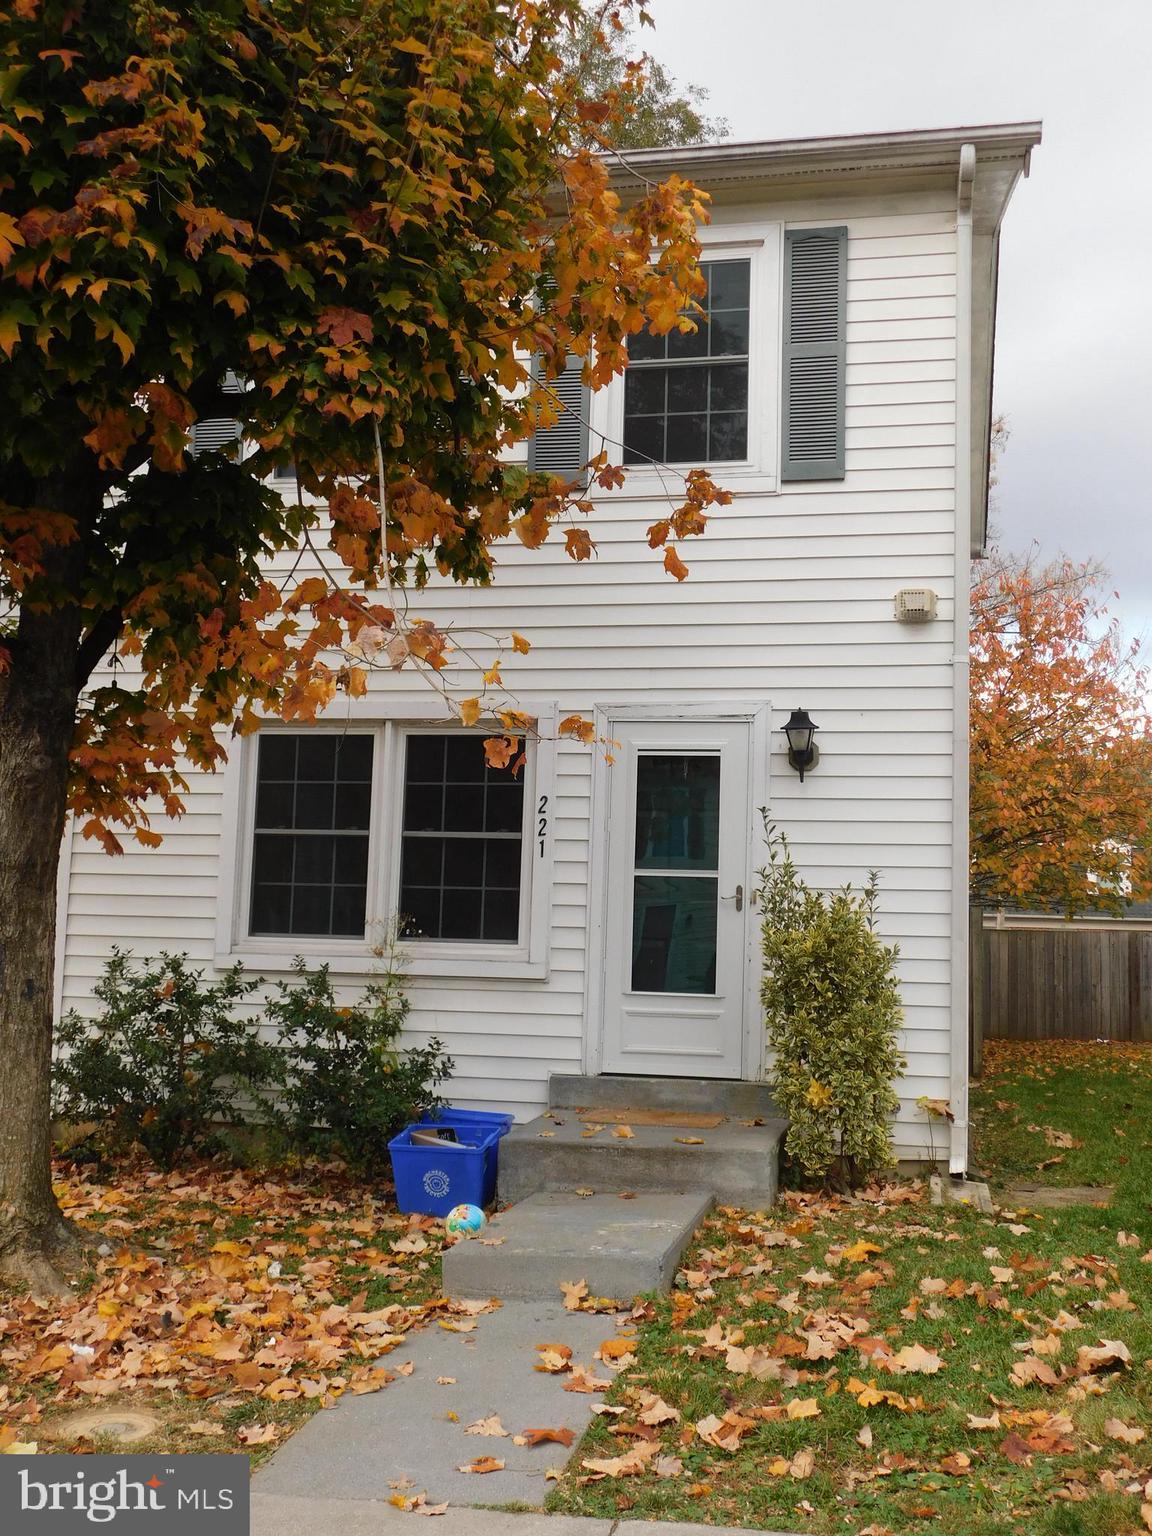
[38,698]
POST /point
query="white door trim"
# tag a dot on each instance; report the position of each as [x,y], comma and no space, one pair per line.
[756,712]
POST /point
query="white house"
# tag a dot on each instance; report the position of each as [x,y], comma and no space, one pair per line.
[593,916]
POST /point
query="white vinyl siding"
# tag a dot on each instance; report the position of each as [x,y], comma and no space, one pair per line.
[789,600]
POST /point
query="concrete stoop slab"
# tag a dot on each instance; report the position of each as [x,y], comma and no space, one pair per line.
[620,1247]
[708,1094]
[738,1161]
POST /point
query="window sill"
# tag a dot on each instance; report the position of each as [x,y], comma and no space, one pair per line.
[355,960]
[643,484]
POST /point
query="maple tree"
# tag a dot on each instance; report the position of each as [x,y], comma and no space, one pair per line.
[1061,741]
[373,215]
[654,108]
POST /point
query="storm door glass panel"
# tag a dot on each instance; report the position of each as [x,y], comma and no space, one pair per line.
[310,838]
[462,838]
[675,885]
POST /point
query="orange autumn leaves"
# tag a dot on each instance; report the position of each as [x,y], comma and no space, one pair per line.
[397,280]
[278,1316]
[1061,742]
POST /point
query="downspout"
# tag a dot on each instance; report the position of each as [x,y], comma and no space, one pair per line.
[958,1087]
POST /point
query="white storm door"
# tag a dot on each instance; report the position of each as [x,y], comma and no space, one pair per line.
[679,837]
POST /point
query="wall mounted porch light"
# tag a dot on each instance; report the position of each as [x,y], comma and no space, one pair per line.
[803,753]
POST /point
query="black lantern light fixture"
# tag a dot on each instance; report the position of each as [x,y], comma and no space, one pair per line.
[803,753]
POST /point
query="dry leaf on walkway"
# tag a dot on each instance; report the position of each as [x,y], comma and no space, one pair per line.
[689,1141]
[574,1293]
[482,1464]
[489,1426]
[623,1132]
[582,1380]
[546,1437]
[445,1381]
[554,1358]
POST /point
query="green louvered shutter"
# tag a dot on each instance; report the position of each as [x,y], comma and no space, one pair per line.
[216,432]
[563,449]
[815,328]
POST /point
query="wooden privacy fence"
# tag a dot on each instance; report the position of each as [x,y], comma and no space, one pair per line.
[1072,982]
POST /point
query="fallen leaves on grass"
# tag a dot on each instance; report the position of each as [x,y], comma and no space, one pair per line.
[277,1314]
[628,1465]
[1116,1429]
[1109,1355]
[725,1433]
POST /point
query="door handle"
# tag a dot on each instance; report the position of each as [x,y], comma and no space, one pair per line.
[737,896]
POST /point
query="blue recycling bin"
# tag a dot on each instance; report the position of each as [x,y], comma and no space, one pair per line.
[432,1179]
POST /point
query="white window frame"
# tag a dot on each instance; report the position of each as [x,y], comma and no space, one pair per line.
[762,246]
[527,957]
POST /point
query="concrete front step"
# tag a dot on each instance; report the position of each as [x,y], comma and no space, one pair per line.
[621,1248]
[738,1162]
[700,1095]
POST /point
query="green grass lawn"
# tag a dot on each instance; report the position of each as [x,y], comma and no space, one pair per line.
[822,1296]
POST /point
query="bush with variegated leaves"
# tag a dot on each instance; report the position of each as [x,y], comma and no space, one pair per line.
[832,1011]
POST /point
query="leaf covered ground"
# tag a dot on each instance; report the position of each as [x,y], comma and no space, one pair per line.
[880,1365]
[228,1305]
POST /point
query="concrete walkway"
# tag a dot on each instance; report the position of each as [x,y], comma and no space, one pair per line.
[276,1516]
[411,1437]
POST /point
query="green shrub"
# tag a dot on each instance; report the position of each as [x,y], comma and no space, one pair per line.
[345,1087]
[165,1064]
[832,1010]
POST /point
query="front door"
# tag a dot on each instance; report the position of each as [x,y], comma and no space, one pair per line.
[679,834]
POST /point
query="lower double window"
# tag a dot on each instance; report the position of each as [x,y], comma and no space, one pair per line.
[387,824]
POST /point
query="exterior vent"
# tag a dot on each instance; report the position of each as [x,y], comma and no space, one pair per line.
[215,433]
[915,605]
[815,333]
[563,449]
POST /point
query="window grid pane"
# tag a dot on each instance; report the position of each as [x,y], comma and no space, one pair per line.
[310,842]
[460,871]
[686,395]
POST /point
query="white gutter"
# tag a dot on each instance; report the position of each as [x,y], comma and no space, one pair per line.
[958,1086]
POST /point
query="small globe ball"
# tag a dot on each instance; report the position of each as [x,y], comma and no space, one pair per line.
[465,1221]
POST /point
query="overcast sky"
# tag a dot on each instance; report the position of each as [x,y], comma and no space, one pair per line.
[1074,336]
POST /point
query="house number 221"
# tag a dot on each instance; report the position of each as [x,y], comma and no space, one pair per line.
[542,822]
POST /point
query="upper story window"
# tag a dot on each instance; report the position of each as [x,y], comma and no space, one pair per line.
[686,393]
